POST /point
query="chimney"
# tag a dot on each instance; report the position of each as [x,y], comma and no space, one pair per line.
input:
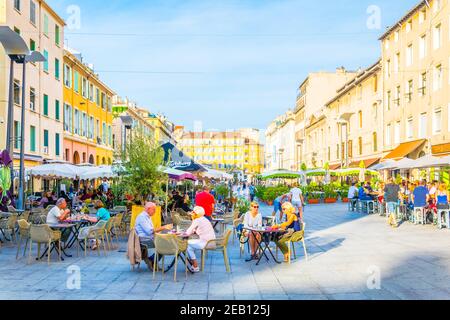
[340,70]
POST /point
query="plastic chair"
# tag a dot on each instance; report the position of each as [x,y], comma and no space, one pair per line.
[108,232]
[24,233]
[43,234]
[168,245]
[9,225]
[297,237]
[443,222]
[96,233]
[419,215]
[221,245]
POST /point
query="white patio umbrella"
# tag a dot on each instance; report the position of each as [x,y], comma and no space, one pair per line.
[89,173]
[384,165]
[405,164]
[430,161]
[56,171]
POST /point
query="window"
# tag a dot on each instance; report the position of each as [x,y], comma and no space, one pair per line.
[97,96]
[388,135]
[32,12]
[103,100]
[409,26]
[350,149]
[437,5]
[104,133]
[109,135]
[76,122]
[32,138]
[32,45]
[388,69]
[397,96]
[422,15]
[388,100]
[76,83]
[84,88]
[46,139]
[409,55]
[46,24]
[91,127]
[423,84]
[91,92]
[423,47]
[397,63]
[397,133]
[68,118]
[17,5]
[409,128]
[46,61]
[423,126]
[437,37]
[17,92]
[97,129]
[360,117]
[57,145]
[84,120]
[57,115]
[32,99]
[67,76]
[360,146]
[16,134]
[410,91]
[396,36]
[57,72]
[437,121]
[57,35]
[375,142]
[437,79]
[45,105]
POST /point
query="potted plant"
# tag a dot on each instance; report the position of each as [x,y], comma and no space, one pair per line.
[243,206]
[313,198]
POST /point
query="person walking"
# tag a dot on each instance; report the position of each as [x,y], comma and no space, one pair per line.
[392,196]
[297,200]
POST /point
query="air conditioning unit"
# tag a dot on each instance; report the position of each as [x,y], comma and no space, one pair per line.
[45,150]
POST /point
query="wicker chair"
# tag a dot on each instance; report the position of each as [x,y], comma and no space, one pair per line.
[96,233]
[43,234]
[221,245]
[8,225]
[24,234]
[169,245]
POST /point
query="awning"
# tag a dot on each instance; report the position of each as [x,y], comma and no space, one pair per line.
[367,163]
[404,149]
[335,166]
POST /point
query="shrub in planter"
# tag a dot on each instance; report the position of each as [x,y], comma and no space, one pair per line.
[313,198]
[330,194]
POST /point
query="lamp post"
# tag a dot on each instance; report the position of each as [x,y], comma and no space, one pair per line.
[32,57]
[16,48]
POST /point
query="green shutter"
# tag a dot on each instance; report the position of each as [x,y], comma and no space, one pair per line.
[32,45]
[57,144]
[45,105]
[46,24]
[57,35]
[32,139]
[57,69]
[57,110]
[46,138]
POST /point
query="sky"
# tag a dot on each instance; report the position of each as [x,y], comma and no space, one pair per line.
[227,63]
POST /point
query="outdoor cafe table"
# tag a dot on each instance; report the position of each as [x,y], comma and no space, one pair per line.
[75,231]
[267,236]
[183,256]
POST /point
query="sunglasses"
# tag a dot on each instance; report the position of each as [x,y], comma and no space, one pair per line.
[256,207]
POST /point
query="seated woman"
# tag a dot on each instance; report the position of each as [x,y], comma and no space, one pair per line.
[45,200]
[253,220]
[102,213]
[291,225]
[204,229]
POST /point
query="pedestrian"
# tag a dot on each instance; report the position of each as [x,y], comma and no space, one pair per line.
[297,200]
[206,201]
[392,195]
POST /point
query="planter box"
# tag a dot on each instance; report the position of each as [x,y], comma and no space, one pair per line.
[330,200]
[313,201]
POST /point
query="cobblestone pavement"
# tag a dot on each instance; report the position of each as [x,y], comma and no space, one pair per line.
[346,252]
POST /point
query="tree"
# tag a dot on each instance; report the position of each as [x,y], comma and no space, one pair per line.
[142,160]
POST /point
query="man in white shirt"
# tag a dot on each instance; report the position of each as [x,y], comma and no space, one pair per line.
[297,200]
[204,229]
[352,194]
[59,213]
[144,225]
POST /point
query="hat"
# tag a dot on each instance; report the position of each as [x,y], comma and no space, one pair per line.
[198,211]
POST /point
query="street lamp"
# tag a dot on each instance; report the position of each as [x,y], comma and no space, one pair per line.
[33,57]
[16,48]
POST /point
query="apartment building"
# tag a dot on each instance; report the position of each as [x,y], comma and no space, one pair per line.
[415,63]
[163,128]
[314,92]
[87,113]
[43,31]
[234,150]
[280,146]
[128,121]
[354,121]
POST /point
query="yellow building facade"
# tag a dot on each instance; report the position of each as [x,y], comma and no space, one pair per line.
[239,150]
[88,119]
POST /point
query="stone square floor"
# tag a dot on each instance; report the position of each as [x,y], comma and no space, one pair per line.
[351,256]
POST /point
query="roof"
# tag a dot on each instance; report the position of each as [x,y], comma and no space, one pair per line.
[359,78]
[335,166]
[404,149]
[410,13]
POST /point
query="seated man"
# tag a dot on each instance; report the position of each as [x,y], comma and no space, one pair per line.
[144,226]
[59,213]
[353,195]
[362,195]
[202,227]
[420,196]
